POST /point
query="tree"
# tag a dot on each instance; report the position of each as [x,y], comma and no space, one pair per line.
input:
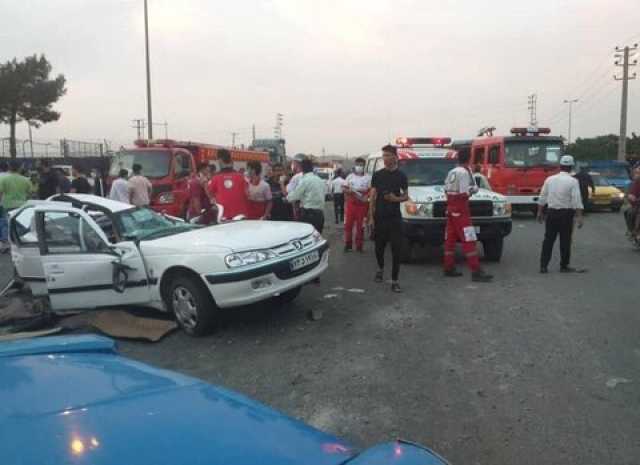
[28,94]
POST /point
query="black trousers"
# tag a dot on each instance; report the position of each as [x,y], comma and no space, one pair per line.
[313,217]
[389,230]
[558,223]
[338,207]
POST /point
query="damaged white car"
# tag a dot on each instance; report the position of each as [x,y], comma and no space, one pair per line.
[86,252]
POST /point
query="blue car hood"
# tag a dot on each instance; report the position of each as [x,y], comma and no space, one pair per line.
[74,400]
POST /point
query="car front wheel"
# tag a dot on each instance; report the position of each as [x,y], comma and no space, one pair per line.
[192,305]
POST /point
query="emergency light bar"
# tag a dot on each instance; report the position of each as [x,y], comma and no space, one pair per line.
[531,131]
[410,141]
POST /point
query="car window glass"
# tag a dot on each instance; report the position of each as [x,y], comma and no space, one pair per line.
[478,156]
[183,165]
[24,227]
[68,232]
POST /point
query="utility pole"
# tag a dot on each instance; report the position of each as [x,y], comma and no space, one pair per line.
[626,52]
[253,134]
[533,104]
[233,139]
[146,39]
[277,130]
[139,127]
[570,102]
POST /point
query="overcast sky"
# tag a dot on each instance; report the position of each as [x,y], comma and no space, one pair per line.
[348,75]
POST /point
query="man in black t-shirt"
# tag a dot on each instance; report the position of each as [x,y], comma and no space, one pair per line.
[280,210]
[80,184]
[389,188]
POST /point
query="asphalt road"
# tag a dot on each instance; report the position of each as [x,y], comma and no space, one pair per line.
[532,369]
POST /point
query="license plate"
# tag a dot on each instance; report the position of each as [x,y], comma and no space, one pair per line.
[305,260]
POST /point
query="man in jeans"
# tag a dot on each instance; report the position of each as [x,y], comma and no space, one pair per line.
[310,193]
[389,188]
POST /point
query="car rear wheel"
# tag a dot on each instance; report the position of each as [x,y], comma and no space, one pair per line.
[192,305]
[493,249]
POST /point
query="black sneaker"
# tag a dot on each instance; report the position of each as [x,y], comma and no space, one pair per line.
[453,273]
[567,269]
[347,249]
[395,287]
[544,270]
[379,277]
[481,277]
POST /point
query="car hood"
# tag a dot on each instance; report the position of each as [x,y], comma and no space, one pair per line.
[424,194]
[89,405]
[236,236]
[607,190]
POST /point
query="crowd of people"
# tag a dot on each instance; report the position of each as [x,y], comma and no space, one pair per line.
[360,201]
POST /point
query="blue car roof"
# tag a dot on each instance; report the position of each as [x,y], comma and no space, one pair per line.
[75,400]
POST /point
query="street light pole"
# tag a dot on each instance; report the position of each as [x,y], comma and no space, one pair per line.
[570,102]
[146,38]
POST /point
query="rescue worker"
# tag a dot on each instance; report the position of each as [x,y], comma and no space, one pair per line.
[356,191]
[228,188]
[560,195]
[310,194]
[460,186]
[389,188]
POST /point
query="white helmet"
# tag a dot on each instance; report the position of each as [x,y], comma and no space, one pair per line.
[567,160]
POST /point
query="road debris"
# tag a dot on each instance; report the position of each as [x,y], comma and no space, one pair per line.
[613,382]
[315,314]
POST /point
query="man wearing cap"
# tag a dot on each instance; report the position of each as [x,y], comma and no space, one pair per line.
[560,195]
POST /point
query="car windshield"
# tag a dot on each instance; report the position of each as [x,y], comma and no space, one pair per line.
[155,164]
[145,224]
[599,180]
[525,154]
[427,171]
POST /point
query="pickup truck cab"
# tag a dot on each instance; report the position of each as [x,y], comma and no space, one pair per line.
[424,215]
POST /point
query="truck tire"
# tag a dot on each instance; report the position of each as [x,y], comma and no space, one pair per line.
[192,305]
[493,249]
[406,250]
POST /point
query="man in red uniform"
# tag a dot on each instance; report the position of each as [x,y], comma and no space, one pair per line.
[633,213]
[459,186]
[356,191]
[199,203]
[229,188]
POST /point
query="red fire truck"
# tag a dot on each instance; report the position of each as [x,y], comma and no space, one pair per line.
[168,164]
[517,165]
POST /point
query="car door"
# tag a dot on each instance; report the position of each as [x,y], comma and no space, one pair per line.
[81,268]
[25,250]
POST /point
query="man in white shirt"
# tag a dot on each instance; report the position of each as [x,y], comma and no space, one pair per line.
[120,188]
[296,167]
[560,195]
[356,193]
